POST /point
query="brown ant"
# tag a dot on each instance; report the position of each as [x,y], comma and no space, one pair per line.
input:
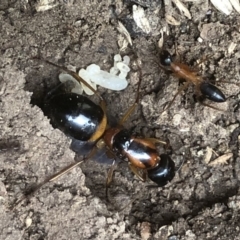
[182,71]
[83,120]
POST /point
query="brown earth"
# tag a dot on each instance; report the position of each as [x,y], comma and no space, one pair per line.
[202,201]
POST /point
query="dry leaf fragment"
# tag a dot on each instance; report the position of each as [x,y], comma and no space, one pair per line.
[122,43]
[221,160]
[44,5]
[163,31]
[208,155]
[125,32]
[223,6]
[171,20]
[236,5]
[140,19]
[182,8]
[231,47]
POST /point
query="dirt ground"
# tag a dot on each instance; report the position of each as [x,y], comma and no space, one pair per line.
[202,201]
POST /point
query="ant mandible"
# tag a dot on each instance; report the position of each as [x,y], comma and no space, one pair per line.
[182,71]
[83,120]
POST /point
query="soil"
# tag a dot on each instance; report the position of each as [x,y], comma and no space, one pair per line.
[201,202]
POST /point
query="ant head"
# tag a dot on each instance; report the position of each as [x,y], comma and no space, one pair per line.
[165,58]
[164,172]
[211,92]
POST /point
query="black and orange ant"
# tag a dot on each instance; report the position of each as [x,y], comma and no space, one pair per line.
[81,119]
[202,87]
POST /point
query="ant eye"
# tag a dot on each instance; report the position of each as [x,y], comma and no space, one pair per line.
[165,58]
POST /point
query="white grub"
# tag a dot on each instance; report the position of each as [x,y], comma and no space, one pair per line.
[221,160]
[64,77]
[182,8]
[236,5]
[223,6]
[84,74]
[145,230]
[126,60]
[44,5]
[123,68]
[124,32]
[115,79]
[140,19]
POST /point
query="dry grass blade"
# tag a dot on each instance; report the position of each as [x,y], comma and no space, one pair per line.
[223,6]
[236,5]
[221,160]
[171,20]
[182,8]
[125,32]
[44,5]
[208,155]
[161,40]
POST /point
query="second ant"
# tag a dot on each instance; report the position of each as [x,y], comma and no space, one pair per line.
[203,88]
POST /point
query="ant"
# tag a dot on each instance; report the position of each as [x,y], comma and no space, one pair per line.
[202,87]
[83,120]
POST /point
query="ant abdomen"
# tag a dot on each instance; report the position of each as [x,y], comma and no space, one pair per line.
[164,172]
[75,115]
[165,58]
[211,92]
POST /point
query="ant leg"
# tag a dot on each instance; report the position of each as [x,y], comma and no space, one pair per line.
[136,102]
[51,178]
[155,141]
[141,174]
[208,105]
[182,88]
[110,178]
[62,172]
[142,177]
